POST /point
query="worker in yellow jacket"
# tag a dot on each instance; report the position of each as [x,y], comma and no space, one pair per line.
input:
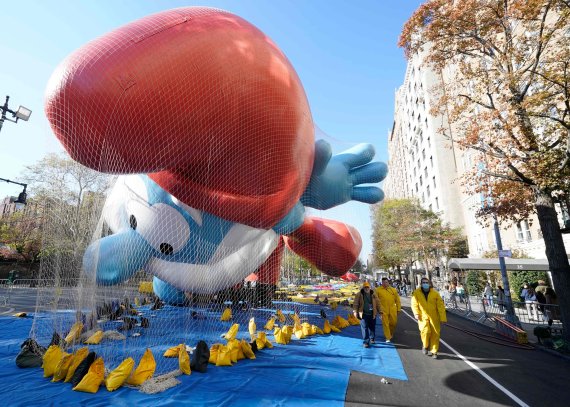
[429,311]
[390,305]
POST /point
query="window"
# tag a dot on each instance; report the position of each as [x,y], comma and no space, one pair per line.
[431,161]
[421,181]
[416,187]
[429,142]
[427,190]
[430,208]
[425,173]
[523,232]
[437,203]
[424,153]
[423,197]
[433,178]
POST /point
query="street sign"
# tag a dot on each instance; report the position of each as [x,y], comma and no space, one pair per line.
[505,253]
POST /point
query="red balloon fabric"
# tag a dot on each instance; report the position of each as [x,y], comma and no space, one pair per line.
[268,272]
[198,98]
[332,246]
[350,277]
[251,277]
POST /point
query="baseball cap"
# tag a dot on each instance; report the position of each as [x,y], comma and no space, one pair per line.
[366,284]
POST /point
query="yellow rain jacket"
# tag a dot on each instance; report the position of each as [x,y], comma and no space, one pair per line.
[429,313]
[390,305]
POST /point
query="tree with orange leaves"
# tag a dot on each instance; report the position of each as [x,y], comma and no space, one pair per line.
[507,97]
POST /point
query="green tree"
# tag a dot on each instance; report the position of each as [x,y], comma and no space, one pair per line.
[458,249]
[69,198]
[508,100]
[517,279]
[475,282]
[358,267]
[405,233]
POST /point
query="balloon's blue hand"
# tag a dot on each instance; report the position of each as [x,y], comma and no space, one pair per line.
[336,180]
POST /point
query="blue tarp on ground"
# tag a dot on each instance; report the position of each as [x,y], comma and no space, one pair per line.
[311,371]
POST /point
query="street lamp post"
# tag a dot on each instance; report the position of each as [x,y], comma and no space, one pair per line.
[23,195]
[22,113]
[510,315]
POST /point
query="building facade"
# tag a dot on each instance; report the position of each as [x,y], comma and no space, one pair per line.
[427,166]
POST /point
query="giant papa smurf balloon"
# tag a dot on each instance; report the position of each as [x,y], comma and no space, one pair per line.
[209,126]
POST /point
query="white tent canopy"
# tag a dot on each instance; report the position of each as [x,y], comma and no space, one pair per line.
[493,264]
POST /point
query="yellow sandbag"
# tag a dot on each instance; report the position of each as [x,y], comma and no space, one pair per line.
[94,339]
[93,379]
[299,333]
[343,322]
[224,357]
[260,342]
[296,319]
[306,328]
[280,316]
[334,305]
[232,332]
[51,359]
[236,351]
[145,287]
[144,370]
[183,359]
[352,320]
[288,332]
[252,328]
[226,315]
[336,322]
[78,357]
[20,315]
[240,354]
[74,332]
[214,350]
[118,376]
[246,348]
[334,329]
[172,352]
[232,350]
[62,367]
[279,336]
[316,330]
[326,327]
[270,323]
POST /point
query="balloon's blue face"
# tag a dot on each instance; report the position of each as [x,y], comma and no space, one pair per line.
[184,248]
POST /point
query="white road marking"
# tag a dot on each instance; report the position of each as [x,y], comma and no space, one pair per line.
[478,370]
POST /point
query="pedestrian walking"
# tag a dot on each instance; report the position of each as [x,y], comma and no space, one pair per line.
[429,311]
[366,307]
[460,292]
[390,306]
[488,294]
[530,302]
[501,298]
[452,290]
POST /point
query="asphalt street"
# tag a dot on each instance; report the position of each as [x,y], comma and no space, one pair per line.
[531,377]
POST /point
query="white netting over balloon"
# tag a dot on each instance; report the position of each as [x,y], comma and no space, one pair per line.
[205,133]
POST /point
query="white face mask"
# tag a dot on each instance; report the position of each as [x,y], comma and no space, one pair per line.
[425,286]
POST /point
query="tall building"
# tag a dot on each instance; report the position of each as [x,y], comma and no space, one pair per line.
[427,166]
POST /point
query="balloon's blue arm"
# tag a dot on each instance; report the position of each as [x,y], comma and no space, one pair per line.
[336,180]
